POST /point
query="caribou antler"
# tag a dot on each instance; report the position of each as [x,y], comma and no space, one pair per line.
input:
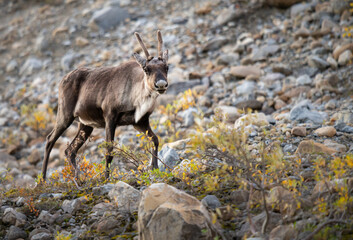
[137,35]
[160,44]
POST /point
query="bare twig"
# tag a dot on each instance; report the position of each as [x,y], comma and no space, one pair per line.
[78,187]
[264,225]
[160,160]
[251,225]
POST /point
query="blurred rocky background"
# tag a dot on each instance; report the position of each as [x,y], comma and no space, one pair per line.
[290,60]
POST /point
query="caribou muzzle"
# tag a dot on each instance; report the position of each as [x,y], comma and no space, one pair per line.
[161,86]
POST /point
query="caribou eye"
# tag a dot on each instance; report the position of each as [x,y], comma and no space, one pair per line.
[166,68]
[147,70]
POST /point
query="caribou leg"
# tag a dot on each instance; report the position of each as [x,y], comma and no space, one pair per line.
[82,135]
[60,127]
[110,126]
[144,126]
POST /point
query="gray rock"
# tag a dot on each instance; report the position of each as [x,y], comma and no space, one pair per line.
[258,221]
[107,224]
[3,121]
[126,197]
[181,86]
[11,66]
[179,20]
[128,138]
[227,15]
[339,6]
[100,209]
[188,116]
[311,71]
[239,196]
[109,17]
[345,116]
[304,80]
[243,40]
[15,233]
[170,157]
[72,206]
[217,77]
[342,127]
[228,59]
[246,88]
[351,149]
[284,232]
[302,33]
[332,62]
[211,201]
[330,105]
[103,190]
[180,147]
[11,216]
[328,24]
[299,8]
[42,42]
[317,62]
[215,44]
[46,217]
[302,112]
[20,201]
[5,157]
[289,148]
[264,52]
[63,218]
[67,61]
[249,103]
[337,146]
[42,236]
[31,65]
[345,57]
[272,77]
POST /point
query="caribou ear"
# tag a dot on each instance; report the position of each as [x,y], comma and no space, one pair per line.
[140,60]
[165,56]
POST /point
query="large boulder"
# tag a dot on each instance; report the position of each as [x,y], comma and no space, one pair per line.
[168,213]
[15,233]
[12,217]
[126,197]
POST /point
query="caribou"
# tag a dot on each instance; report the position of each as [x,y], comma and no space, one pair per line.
[108,97]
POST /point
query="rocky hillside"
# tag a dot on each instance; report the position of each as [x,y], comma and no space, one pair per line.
[255,129]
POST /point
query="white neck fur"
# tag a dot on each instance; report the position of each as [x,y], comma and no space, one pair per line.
[145,100]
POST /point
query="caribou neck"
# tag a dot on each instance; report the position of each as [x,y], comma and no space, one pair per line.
[145,100]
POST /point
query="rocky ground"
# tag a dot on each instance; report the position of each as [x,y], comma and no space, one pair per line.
[283,173]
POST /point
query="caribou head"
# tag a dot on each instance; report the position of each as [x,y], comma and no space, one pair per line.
[155,68]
